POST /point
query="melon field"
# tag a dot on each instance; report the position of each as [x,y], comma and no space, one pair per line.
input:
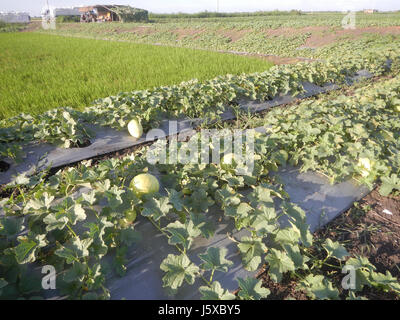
[202,157]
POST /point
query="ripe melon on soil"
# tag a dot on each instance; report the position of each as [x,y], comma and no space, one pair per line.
[366,165]
[135,128]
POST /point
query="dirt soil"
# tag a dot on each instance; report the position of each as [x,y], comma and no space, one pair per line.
[142,30]
[233,34]
[296,31]
[320,39]
[33,26]
[366,230]
[183,33]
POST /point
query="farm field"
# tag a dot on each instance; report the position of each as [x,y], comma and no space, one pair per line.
[119,225]
[41,72]
[289,36]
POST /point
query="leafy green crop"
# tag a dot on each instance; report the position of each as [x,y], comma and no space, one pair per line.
[55,213]
[76,217]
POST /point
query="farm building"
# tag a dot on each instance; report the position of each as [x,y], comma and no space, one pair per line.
[15,17]
[106,13]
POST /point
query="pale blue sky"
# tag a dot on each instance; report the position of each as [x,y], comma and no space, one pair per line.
[34,6]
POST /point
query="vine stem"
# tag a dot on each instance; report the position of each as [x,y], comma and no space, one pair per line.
[72,231]
[323,261]
[212,275]
[165,234]
[22,193]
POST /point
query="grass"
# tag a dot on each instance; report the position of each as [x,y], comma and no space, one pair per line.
[41,72]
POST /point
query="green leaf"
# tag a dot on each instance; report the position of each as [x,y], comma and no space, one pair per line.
[129,236]
[287,236]
[26,250]
[156,208]
[318,287]
[360,262]
[53,222]
[250,289]
[199,201]
[389,184]
[279,263]
[299,259]
[215,292]
[264,221]
[178,269]
[251,251]
[70,209]
[182,233]
[90,198]
[96,232]
[215,259]
[238,212]
[176,199]
[200,222]
[11,226]
[335,249]
[262,195]
[74,250]
[303,229]
[29,283]
[385,281]
[294,211]
[77,272]
[43,202]
[228,197]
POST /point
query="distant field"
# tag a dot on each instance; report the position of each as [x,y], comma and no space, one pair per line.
[40,72]
[297,35]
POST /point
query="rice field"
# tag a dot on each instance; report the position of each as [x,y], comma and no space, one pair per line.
[41,72]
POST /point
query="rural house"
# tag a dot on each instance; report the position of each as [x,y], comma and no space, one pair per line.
[370,11]
[108,13]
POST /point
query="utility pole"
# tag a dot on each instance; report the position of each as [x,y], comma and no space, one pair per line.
[217,6]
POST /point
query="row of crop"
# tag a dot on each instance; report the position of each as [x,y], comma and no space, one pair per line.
[255,37]
[318,135]
[195,99]
[242,23]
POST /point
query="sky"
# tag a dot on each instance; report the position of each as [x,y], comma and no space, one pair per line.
[168,6]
